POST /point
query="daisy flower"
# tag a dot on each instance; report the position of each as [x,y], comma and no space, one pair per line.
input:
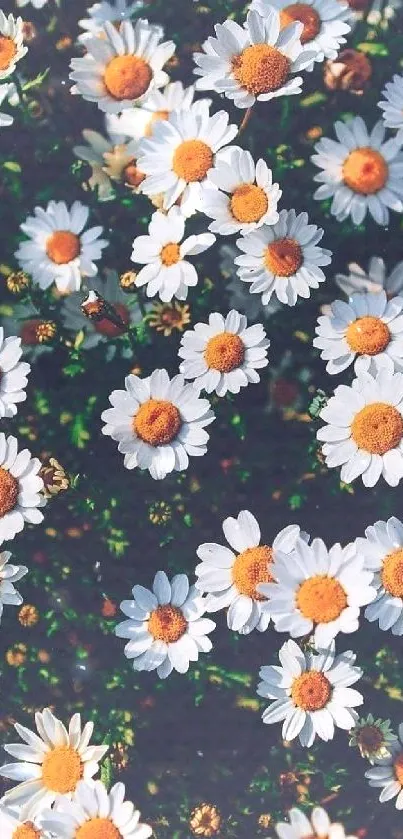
[121,68]
[376,278]
[360,172]
[318,826]
[230,576]
[165,627]
[312,692]
[364,431]
[392,103]
[388,773]
[382,550]
[23,826]
[325,23]
[159,105]
[52,763]
[244,196]
[57,249]
[373,738]
[13,375]
[283,260]
[20,487]
[158,422]
[11,43]
[238,296]
[9,574]
[254,61]
[368,330]
[224,354]
[5,119]
[97,146]
[180,153]
[167,272]
[99,13]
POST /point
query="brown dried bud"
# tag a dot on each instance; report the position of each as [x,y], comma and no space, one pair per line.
[128,281]
[351,71]
[46,331]
[18,282]
[205,820]
[54,478]
[93,306]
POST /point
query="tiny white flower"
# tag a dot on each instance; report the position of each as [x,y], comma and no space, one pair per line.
[11,43]
[9,574]
[388,773]
[13,375]
[375,279]
[382,550]
[100,13]
[96,813]
[20,487]
[392,103]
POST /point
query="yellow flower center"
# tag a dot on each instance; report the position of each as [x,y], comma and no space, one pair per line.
[283,257]
[249,203]
[8,50]
[251,568]
[170,254]
[311,691]
[62,769]
[368,335]
[365,171]
[192,160]
[260,68]
[98,828]
[127,77]
[167,624]
[398,767]
[321,599]
[62,247]
[392,573]
[377,428]
[157,422]
[370,739]
[305,14]
[109,329]
[132,174]
[224,352]
[26,831]
[9,490]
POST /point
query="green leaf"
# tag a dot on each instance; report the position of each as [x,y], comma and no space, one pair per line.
[12,166]
[373,49]
[37,81]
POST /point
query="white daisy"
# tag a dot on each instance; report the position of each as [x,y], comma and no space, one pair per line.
[230,577]
[392,103]
[372,737]
[325,23]
[318,826]
[13,375]
[368,330]
[99,13]
[95,151]
[224,354]
[9,574]
[23,826]
[57,249]
[180,153]
[123,67]
[388,773]
[11,43]
[375,278]
[20,487]
[312,693]
[5,119]
[360,172]
[52,763]
[254,61]
[283,260]
[140,122]
[382,550]
[159,422]
[244,196]
[165,627]
[364,434]
[238,295]
[167,271]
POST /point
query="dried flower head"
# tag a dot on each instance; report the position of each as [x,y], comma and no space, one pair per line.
[94,306]
[54,478]
[165,317]
[351,71]
[372,737]
[18,282]
[16,655]
[160,513]
[28,615]
[128,281]
[205,820]
[45,331]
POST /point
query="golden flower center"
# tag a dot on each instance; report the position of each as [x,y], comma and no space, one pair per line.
[321,599]
[224,352]
[8,50]
[157,422]
[377,428]
[98,828]
[398,768]
[170,254]
[392,573]
[260,68]
[192,160]
[9,490]
[109,329]
[370,738]
[251,568]
[368,335]
[166,623]
[311,691]
[249,203]
[305,14]
[63,246]
[365,171]
[61,769]
[283,257]
[26,831]
[132,174]
[127,77]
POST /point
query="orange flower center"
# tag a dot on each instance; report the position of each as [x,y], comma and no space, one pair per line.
[170,254]
[370,738]
[250,568]
[398,767]
[132,174]
[283,257]
[368,335]
[127,77]
[155,117]
[109,329]
[98,828]
[249,203]
[377,428]
[260,68]
[392,573]
[305,14]
[9,490]
[8,50]
[192,160]
[26,831]
[224,352]
[61,769]
[365,171]
[311,691]
[321,599]
[167,624]
[157,422]
[62,247]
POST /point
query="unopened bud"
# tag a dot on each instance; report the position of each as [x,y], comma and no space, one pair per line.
[351,71]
